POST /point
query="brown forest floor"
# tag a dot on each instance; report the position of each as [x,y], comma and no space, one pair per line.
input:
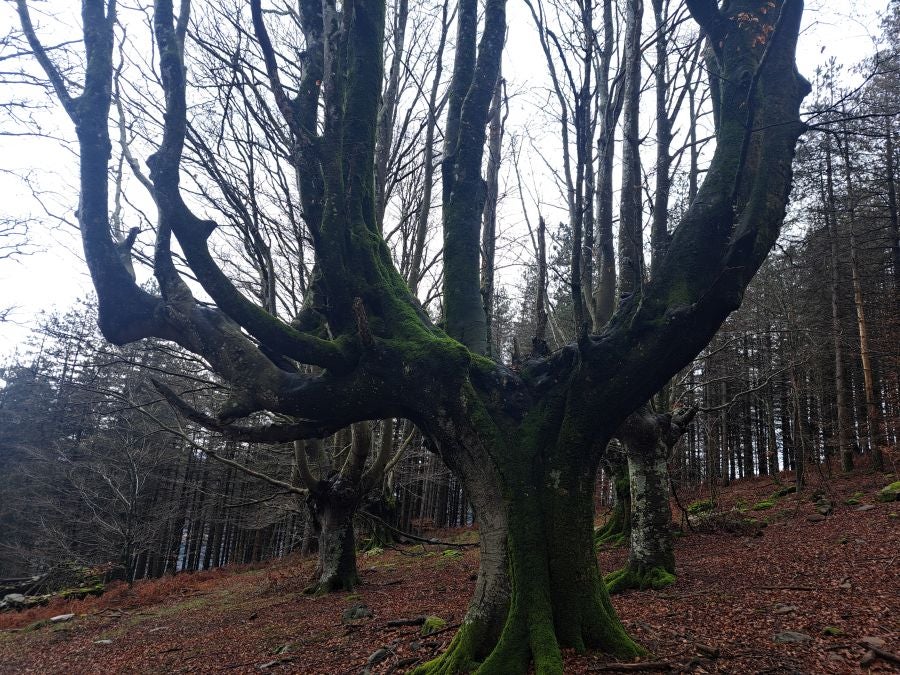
[733,594]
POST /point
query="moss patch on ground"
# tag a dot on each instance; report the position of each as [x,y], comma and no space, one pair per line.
[890,493]
[432,625]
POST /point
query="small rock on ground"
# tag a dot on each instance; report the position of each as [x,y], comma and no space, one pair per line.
[791,637]
[785,609]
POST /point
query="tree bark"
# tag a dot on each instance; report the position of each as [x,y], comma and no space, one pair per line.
[631,238]
[337,544]
[648,439]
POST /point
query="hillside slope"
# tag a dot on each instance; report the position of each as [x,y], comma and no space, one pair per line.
[832,584]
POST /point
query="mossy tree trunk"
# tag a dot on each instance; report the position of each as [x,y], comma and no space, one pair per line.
[335,499]
[648,438]
[651,516]
[617,529]
[526,444]
[337,545]
[539,587]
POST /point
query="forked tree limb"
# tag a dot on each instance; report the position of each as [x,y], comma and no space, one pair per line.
[270,433]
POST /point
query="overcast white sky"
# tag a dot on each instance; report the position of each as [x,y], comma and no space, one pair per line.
[55,277]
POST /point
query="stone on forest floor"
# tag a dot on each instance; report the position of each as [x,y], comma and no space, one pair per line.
[890,493]
[870,641]
[357,611]
[103,642]
[868,659]
[865,507]
[787,490]
[432,625]
[59,618]
[14,599]
[791,637]
[784,609]
[816,518]
[378,656]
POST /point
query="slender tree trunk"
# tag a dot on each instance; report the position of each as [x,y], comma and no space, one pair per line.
[845,447]
[388,112]
[609,108]
[872,417]
[617,529]
[489,216]
[893,211]
[421,232]
[659,229]
[631,246]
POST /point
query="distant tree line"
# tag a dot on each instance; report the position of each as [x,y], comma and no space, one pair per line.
[96,468]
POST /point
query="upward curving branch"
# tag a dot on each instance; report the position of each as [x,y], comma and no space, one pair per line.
[193,232]
[474,77]
[719,245]
[126,311]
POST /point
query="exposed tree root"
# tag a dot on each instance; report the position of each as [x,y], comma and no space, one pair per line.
[614,532]
[656,578]
[333,584]
[458,658]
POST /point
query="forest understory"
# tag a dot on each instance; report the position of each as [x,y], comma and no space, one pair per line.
[829,584]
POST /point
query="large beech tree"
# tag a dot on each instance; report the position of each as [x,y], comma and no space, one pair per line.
[525,443]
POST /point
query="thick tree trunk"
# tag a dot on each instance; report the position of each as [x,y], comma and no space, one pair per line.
[337,549]
[539,587]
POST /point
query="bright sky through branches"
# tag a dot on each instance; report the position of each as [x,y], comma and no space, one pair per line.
[55,275]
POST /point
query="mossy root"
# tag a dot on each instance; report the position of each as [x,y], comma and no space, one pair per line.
[626,578]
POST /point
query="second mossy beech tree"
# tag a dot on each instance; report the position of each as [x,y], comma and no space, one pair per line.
[526,444]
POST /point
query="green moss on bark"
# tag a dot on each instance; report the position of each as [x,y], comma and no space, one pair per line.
[459,656]
[614,531]
[655,578]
